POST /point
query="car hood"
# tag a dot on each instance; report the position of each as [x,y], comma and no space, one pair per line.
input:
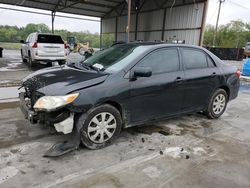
[62,80]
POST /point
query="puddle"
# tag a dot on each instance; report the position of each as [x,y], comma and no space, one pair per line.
[245,87]
[8,93]
[150,129]
[14,65]
[178,128]
[10,83]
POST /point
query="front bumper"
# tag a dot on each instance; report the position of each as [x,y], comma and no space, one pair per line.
[62,120]
[29,114]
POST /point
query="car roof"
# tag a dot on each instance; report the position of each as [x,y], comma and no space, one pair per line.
[45,34]
[159,44]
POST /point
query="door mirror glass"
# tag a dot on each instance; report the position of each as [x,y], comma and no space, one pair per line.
[22,41]
[142,72]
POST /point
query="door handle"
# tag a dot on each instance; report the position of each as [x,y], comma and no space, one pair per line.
[213,74]
[178,79]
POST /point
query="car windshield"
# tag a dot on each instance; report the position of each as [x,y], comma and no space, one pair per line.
[116,58]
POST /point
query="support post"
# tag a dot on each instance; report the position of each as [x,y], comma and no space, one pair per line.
[101,35]
[129,21]
[203,22]
[163,25]
[136,24]
[217,22]
[53,15]
[116,28]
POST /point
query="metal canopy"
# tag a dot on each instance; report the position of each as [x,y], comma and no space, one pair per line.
[150,19]
[95,8]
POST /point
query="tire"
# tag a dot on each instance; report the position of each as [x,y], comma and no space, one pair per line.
[49,64]
[217,104]
[23,59]
[30,62]
[98,138]
[61,62]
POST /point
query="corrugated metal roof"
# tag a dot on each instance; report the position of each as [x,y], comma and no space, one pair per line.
[97,8]
[173,22]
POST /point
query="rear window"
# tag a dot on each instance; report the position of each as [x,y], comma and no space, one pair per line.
[54,39]
[194,59]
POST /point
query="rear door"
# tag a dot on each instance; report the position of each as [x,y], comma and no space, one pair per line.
[50,46]
[161,94]
[201,78]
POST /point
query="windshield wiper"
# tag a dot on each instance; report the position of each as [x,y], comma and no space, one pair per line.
[76,65]
[89,66]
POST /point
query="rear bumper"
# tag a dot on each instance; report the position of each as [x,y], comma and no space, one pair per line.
[49,59]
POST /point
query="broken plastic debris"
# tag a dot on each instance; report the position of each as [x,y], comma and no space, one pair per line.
[60,149]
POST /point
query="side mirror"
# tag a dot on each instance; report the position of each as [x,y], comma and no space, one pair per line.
[22,41]
[142,72]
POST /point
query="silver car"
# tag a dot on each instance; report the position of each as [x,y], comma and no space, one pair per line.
[43,47]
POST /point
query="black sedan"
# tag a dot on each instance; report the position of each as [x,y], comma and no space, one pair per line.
[128,85]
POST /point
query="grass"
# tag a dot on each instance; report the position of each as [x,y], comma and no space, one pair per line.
[7,45]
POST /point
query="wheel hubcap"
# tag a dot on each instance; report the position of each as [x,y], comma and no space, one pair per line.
[101,127]
[219,104]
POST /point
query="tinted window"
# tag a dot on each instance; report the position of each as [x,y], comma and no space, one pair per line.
[164,60]
[194,59]
[55,39]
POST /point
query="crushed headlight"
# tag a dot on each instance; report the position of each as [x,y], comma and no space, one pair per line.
[53,102]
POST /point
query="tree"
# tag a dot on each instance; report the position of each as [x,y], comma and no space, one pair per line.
[233,34]
[15,34]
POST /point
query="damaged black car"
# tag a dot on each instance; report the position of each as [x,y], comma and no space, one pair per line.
[124,86]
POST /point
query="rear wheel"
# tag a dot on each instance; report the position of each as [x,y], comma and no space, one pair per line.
[217,104]
[61,62]
[30,62]
[100,127]
[23,59]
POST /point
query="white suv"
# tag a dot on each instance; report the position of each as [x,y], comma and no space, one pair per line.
[43,47]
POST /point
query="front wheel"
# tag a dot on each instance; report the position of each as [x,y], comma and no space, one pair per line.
[100,126]
[217,104]
[22,56]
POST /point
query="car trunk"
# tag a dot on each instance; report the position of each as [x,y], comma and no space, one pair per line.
[50,46]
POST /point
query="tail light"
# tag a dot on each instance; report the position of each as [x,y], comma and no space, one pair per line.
[34,45]
[65,45]
[238,73]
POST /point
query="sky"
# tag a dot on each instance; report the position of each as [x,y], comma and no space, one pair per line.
[230,10]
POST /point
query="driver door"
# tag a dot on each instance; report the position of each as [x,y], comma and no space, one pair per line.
[161,94]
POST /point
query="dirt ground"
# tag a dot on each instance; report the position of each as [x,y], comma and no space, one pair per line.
[189,151]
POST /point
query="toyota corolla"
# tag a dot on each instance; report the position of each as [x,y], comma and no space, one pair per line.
[128,85]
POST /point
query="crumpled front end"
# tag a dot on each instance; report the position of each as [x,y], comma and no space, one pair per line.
[62,119]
